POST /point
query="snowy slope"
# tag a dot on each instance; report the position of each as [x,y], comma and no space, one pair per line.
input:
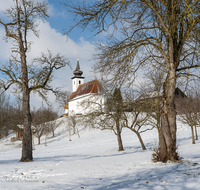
[92,162]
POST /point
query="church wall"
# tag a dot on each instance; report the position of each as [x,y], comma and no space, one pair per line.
[86,104]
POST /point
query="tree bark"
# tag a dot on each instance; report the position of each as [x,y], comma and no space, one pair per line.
[27,135]
[38,140]
[119,136]
[78,133]
[74,130]
[192,131]
[162,146]
[141,141]
[167,148]
[139,137]
[196,132]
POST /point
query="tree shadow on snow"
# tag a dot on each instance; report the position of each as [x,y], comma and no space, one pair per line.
[162,177]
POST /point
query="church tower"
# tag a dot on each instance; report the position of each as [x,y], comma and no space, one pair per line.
[77,79]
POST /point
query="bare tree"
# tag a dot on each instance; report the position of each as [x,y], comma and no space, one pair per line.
[73,121]
[117,106]
[151,93]
[53,125]
[105,117]
[137,119]
[190,114]
[119,114]
[105,121]
[62,97]
[27,77]
[39,130]
[44,122]
[164,34]
[49,117]
[38,124]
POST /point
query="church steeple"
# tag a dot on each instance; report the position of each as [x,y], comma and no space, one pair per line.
[77,79]
[77,71]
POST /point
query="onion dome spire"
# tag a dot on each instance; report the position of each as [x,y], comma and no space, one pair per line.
[77,71]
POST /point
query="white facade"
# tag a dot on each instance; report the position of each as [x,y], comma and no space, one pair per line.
[85,104]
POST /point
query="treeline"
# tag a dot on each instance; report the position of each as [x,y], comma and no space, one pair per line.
[11,115]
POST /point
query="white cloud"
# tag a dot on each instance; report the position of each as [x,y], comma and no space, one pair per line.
[5,47]
[51,39]
[57,43]
[5,4]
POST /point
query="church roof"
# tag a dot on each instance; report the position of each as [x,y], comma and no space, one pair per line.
[156,94]
[92,87]
[66,106]
[153,94]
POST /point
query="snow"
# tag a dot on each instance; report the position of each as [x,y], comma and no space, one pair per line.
[92,162]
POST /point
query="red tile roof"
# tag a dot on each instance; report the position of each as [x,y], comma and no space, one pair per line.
[87,88]
[72,96]
[66,106]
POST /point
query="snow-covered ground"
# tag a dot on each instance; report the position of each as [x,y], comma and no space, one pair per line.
[92,162]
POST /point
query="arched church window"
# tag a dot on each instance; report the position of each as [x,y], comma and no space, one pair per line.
[79,82]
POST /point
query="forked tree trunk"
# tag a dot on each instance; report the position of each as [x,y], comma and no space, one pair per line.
[119,139]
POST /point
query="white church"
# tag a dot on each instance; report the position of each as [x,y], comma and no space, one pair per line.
[85,97]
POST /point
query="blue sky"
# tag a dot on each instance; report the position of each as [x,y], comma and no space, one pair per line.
[78,43]
[60,19]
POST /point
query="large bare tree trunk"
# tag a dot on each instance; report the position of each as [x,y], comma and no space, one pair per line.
[27,134]
[167,147]
[27,137]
